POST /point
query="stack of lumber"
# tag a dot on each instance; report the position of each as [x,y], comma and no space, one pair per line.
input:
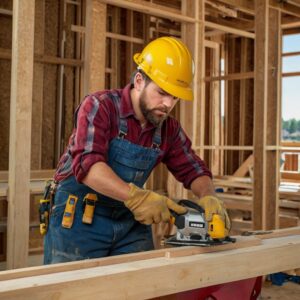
[237,194]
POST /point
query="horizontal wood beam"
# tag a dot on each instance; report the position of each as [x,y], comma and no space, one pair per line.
[291,53]
[241,5]
[34,175]
[6,12]
[151,9]
[232,76]
[158,276]
[228,29]
[46,59]
[286,8]
[223,147]
[125,38]
[242,242]
[290,74]
[291,25]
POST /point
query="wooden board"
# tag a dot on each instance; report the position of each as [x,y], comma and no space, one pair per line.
[154,277]
[171,252]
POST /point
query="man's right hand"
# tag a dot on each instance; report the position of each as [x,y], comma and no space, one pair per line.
[149,207]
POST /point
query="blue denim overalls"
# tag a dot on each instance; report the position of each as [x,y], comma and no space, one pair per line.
[114,230]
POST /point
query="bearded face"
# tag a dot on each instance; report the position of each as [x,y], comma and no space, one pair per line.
[155,104]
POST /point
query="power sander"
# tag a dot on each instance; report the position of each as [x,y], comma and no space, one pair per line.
[194,230]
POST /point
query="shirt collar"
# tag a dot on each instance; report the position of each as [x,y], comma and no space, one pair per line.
[126,108]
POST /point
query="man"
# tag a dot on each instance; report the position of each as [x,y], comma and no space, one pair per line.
[100,208]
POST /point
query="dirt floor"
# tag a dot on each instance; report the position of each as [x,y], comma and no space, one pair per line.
[288,291]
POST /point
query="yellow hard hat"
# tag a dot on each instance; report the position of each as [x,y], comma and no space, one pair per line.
[168,62]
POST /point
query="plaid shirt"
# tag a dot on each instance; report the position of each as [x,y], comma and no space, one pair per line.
[97,123]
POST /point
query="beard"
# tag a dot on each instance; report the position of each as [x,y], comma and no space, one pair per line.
[149,114]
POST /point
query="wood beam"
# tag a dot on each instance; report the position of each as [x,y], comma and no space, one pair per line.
[260,101]
[266,110]
[94,66]
[38,91]
[231,76]
[193,35]
[286,8]
[20,133]
[245,6]
[146,7]
[46,59]
[273,124]
[228,29]
[157,276]
[6,12]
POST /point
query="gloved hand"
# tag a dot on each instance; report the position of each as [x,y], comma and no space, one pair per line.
[213,205]
[149,207]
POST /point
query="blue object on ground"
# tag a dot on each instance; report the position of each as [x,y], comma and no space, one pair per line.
[280,278]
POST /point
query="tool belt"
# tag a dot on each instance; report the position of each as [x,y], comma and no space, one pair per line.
[46,204]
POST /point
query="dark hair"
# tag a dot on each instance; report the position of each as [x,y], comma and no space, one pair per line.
[145,77]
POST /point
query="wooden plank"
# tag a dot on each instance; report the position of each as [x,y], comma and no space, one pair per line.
[291,53]
[245,6]
[94,66]
[151,8]
[273,122]
[260,100]
[20,133]
[290,74]
[46,59]
[225,147]
[232,76]
[215,112]
[37,100]
[226,11]
[6,12]
[228,29]
[34,175]
[35,187]
[172,252]
[278,233]
[159,276]
[125,38]
[285,8]
[244,167]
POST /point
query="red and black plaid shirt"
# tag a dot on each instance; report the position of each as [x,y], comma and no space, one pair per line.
[97,124]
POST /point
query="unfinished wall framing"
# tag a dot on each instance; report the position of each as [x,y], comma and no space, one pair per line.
[234,122]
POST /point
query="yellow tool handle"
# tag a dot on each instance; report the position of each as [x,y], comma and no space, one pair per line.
[69,212]
[89,208]
[216,228]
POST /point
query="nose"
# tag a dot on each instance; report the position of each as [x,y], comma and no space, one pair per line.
[169,101]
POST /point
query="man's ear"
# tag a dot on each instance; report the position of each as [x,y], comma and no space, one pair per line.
[139,81]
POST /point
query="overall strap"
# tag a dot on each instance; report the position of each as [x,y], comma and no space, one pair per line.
[122,127]
[156,141]
[122,120]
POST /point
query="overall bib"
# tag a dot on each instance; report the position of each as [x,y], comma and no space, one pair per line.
[113,230]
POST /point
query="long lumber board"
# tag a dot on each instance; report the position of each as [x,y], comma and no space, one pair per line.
[241,242]
[158,276]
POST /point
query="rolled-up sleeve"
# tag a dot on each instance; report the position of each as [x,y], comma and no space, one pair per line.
[91,136]
[182,161]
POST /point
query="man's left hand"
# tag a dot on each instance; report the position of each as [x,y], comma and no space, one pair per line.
[212,205]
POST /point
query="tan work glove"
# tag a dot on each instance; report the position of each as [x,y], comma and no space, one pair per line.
[213,205]
[149,207]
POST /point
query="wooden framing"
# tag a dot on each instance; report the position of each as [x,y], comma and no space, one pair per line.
[20,133]
[201,30]
[154,273]
[265,204]
[94,67]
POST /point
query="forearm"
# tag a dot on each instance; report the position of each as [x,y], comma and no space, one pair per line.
[104,180]
[203,186]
